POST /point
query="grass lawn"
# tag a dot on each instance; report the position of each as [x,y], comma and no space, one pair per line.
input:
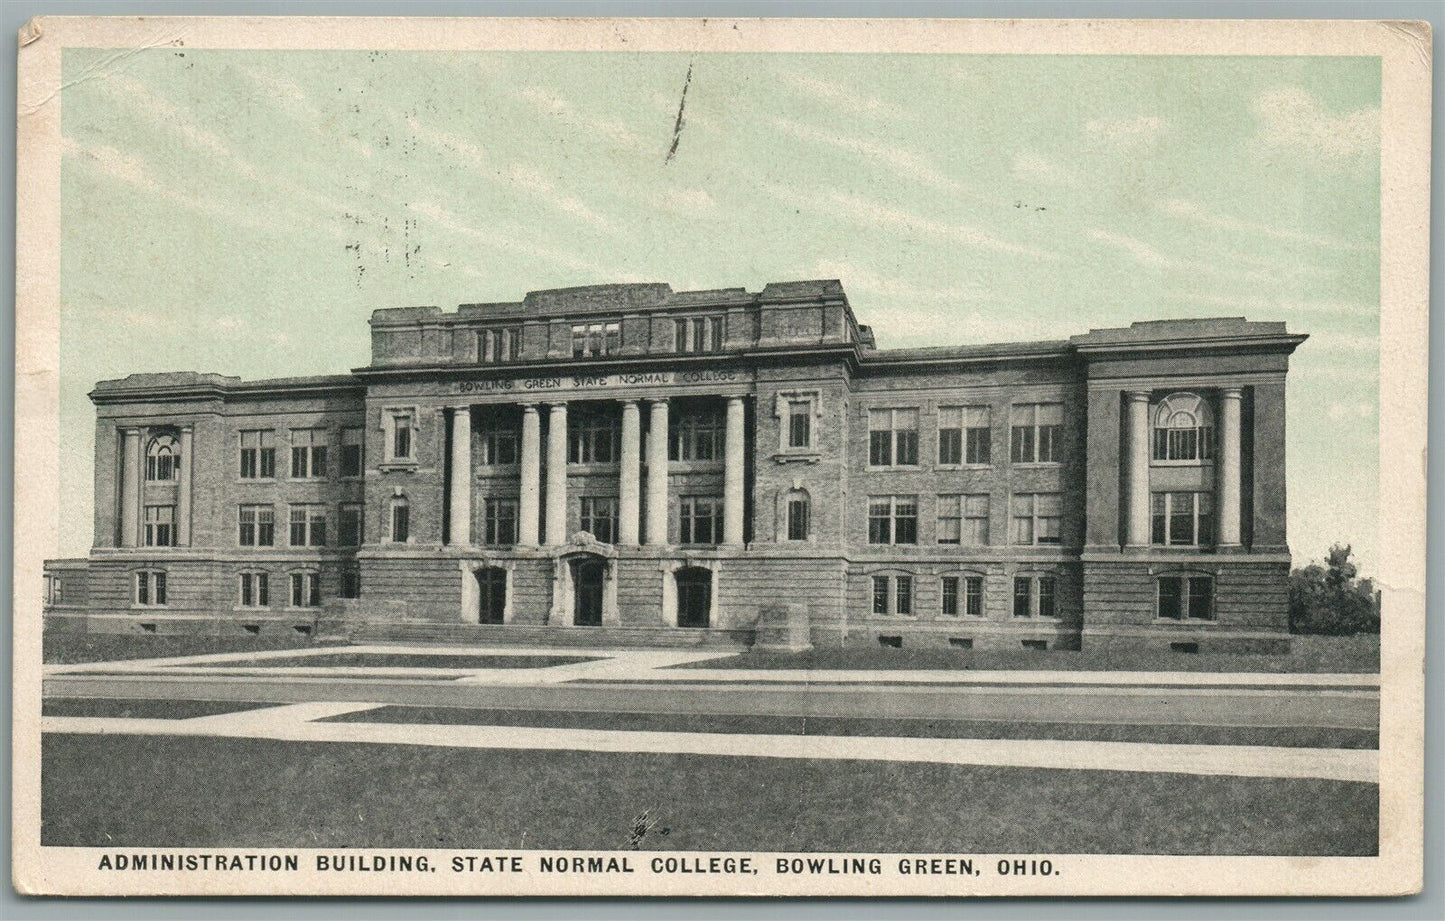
[75,648]
[1352,654]
[1303,737]
[159,791]
[401,660]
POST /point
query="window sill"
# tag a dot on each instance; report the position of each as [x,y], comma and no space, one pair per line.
[798,457]
[150,607]
[895,468]
[406,465]
[1181,621]
[258,480]
[1181,463]
[955,468]
[1036,465]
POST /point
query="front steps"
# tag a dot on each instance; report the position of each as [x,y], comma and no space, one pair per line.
[600,637]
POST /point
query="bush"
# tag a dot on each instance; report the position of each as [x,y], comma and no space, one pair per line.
[1329,599]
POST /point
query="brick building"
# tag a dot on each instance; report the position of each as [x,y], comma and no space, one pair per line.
[652,465]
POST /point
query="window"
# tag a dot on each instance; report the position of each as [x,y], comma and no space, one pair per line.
[160,526]
[163,458]
[596,438]
[499,344]
[306,589]
[308,526]
[800,424]
[698,437]
[963,520]
[1183,429]
[892,437]
[962,595]
[400,521]
[258,454]
[1036,518]
[702,519]
[1182,519]
[593,340]
[255,590]
[893,595]
[150,588]
[1034,596]
[599,517]
[258,526]
[893,520]
[499,444]
[798,510]
[1182,597]
[698,334]
[308,454]
[402,440]
[349,525]
[963,435]
[500,522]
[351,451]
[1036,428]
[350,582]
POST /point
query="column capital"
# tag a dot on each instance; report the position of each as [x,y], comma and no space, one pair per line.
[653,401]
[554,405]
[629,401]
[529,407]
[1137,396]
[1231,393]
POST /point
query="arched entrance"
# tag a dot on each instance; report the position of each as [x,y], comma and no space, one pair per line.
[491,595]
[588,577]
[694,596]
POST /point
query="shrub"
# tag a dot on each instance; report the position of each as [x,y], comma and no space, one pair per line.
[1329,598]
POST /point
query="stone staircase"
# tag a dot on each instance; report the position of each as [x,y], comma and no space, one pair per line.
[600,637]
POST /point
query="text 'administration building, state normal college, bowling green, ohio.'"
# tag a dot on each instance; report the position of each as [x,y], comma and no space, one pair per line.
[630,464]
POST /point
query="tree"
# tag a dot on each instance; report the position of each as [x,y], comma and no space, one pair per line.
[1329,598]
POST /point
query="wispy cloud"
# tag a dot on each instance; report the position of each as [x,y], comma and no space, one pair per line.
[1293,120]
[1132,131]
[1260,307]
[531,181]
[1146,254]
[909,164]
[1194,211]
[1033,167]
[833,93]
[586,124]
[895,287]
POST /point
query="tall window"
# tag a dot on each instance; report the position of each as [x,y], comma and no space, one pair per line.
[962,595]
[306,589]
[258,454]
[798,511]
[702,518]
[599,517]
[499,443]
[350,581]
[258,526]
[400,521]
[963,435]
[697,437]
[308,526]
[160,526]
[1036,518]
[594,340]
[893,520]
[893,437]
[1036,430]
[800,424]
[255,590]
[351,438]
[163,458]
[698,334]
[1186,597]
[595,438]
[499,344]
[893,595]
[500,522]
[349,525]
[308,453]
[963,520]
[1182,519]
[1035,596]
[401,443]
[150,588]
[1183,429]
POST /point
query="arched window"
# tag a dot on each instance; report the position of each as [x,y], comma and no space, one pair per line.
[400,520]
[1183,429]
[961,594]
[892,593]
[799,510]
[1036,595]
[163,458]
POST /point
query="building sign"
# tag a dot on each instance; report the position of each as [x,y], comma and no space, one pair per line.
[575,382]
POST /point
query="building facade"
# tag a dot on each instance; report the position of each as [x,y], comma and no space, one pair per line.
[629,463]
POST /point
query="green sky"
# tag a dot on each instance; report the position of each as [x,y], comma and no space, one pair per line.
[244,212]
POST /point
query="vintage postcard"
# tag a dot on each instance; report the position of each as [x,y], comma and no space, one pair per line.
[708,457]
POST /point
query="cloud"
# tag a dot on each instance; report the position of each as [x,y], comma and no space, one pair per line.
[1147,255]
[906,162]
[834,94]
[686,201]
[1029,166]
[855,277]
[1292,120]
[1266,308]
[1194,211]
[1138,131]
[531,181]
[585,125]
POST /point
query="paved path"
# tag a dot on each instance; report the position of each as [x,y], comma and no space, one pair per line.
[296,723]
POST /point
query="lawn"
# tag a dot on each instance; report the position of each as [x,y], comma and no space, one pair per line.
[341,659]
[1349,654]
[75,648]
[160,791]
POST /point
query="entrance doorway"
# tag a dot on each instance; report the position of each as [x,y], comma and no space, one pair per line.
[587,578]
[491,595]
[694,597]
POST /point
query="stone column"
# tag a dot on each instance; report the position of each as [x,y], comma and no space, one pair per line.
[629,491]
[132,473]
[528,507]
[1137,470]
[733,467]
[459,533]
[657,474]
[1229,466]
[557,474]
[183,490]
